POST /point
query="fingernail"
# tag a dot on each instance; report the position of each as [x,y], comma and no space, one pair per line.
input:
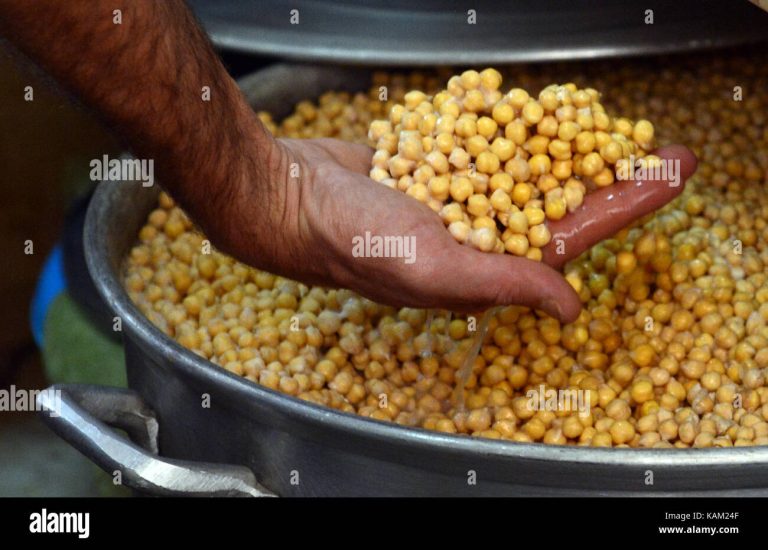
[552,307]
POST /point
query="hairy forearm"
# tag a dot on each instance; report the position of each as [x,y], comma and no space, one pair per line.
[145,77]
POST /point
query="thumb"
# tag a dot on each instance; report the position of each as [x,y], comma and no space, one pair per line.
[487,280]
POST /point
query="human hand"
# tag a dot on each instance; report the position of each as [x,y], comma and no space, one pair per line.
[292,207]
[322,201]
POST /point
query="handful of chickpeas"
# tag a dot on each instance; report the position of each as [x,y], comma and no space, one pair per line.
[497,166]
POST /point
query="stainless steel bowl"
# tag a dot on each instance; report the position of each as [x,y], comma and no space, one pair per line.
[282,445]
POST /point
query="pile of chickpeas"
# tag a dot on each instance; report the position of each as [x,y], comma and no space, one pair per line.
[671,346]
[496,167]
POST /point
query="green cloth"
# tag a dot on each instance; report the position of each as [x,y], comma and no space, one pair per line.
[75,351]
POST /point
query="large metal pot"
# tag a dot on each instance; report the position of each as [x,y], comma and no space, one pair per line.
[439,32]
[294,448]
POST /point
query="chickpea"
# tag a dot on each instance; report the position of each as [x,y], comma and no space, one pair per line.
[532,113]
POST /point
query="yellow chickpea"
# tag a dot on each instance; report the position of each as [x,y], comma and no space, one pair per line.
[532,113]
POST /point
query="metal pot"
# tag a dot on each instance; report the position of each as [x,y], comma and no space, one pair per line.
[295,448]
[436,32]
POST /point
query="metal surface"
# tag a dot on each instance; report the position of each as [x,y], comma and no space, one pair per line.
[79,283]
[430,32]
[297,448]
[83,416]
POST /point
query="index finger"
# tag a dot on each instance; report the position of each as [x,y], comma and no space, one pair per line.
[612,208]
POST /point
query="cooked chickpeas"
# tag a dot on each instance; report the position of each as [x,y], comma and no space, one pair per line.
[487,134]
[669,350]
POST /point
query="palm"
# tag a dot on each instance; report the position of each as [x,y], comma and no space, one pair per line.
[345,203]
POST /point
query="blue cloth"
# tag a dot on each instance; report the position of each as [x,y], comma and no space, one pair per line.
[51,283]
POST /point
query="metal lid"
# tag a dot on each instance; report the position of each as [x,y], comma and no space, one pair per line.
[396,32]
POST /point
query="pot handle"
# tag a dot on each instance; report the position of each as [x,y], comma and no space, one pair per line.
[83,416]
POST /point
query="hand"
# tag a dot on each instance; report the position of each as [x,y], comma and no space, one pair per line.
[332,201]
[238,183]
[242,187]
